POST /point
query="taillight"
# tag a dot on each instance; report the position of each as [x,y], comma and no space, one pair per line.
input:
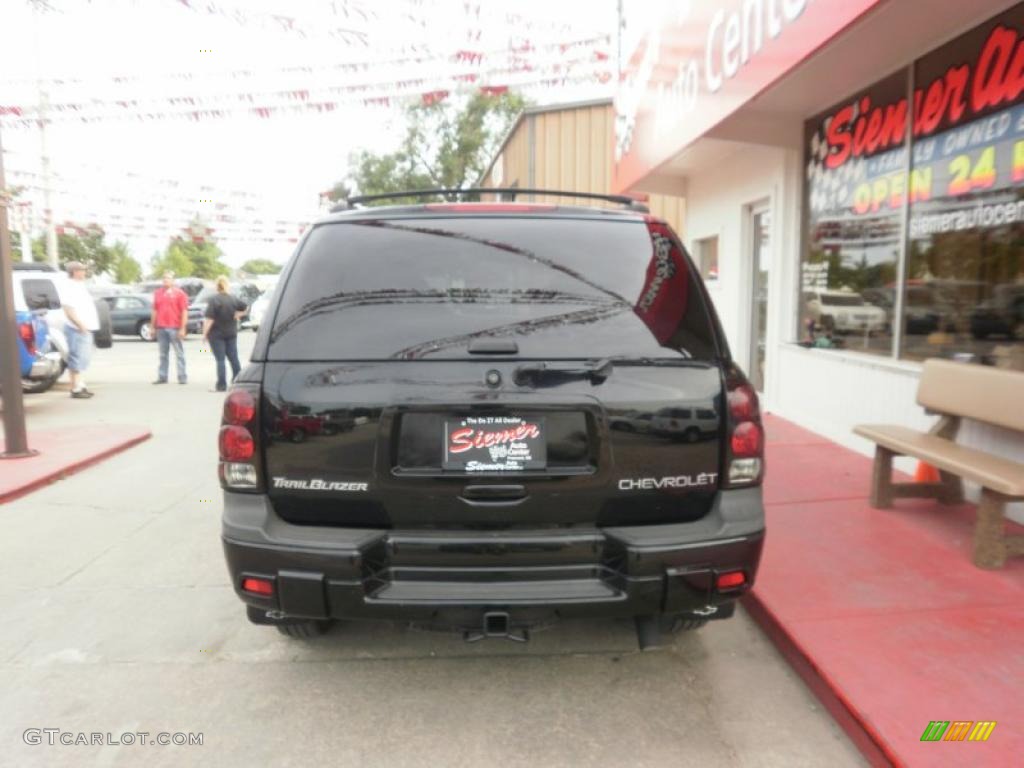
[239,407]
[236,444]
[264,587]
[746,435]
[730,580]
[237,439]
[746,440]
[28,337]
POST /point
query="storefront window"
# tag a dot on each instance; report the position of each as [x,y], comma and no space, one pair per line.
[965,262]
[962,249]
[856,179]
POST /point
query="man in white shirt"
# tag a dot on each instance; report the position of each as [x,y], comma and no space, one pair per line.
[83,320]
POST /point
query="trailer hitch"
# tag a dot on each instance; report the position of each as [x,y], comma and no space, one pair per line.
[496,624]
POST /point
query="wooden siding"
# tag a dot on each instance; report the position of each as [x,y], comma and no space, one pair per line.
[573,150]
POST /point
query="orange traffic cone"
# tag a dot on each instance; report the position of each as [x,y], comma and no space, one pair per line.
[926,473]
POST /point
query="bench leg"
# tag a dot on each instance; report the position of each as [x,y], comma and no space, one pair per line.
[881,479]
[952,488]
[989,544]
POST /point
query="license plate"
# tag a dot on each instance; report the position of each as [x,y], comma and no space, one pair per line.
[495,444]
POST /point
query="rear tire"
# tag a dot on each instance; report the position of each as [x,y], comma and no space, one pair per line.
[146,332]
[304,630]
[103,338]
[38,386]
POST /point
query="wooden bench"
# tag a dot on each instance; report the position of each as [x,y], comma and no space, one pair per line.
[956,391]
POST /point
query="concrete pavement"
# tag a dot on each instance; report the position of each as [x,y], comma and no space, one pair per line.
[120,619]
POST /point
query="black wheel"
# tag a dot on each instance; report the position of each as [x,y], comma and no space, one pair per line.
[297,435]
[103,338]
[828,323]
[304,629]
[38,386]
[672,625]
[691,435]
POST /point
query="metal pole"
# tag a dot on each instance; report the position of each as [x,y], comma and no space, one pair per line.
[10,365]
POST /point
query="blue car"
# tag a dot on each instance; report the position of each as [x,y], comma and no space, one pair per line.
[40,366]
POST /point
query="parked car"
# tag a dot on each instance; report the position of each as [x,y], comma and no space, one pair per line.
[632,421]
[843,311]
[259,308]
[131,315]
[192,286]
[244,291]
[689,424]
[39,287]
[477,484]
[39,362]
[1001,315]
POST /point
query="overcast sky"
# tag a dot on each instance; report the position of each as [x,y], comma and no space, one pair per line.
[284,161]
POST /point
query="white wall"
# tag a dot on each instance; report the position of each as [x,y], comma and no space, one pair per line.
[716,200]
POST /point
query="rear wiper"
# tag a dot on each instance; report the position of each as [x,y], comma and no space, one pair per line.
[656,361]
[534,373]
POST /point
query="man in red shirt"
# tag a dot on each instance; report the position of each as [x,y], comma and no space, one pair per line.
[170,319]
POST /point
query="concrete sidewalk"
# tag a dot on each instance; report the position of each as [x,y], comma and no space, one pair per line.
[120,618]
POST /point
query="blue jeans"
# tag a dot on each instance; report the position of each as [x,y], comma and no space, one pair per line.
[225,348]
[166,338]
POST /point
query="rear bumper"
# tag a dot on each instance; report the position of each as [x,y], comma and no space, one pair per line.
[45,367]
[452,578]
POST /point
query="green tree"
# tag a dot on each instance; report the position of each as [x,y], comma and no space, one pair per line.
[445,145]
[126,269]
[82,243]
[171,260]
[260,267]
[195,256]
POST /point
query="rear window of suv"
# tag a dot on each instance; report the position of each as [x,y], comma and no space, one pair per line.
[408,288]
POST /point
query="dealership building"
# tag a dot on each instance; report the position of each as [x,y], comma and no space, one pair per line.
[853,176]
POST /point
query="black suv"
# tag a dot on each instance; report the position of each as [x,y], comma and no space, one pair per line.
[454,370]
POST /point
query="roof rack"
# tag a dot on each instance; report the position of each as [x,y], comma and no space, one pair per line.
[510,192]
[33,266]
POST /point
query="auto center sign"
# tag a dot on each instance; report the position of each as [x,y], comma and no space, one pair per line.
[702,60]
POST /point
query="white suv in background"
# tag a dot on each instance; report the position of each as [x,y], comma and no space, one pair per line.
[844,311]
[41,286]
[686,423]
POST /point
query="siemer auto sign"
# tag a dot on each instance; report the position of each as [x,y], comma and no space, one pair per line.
[701,61]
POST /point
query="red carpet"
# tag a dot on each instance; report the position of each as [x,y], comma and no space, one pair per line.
[882,612]
[63,452]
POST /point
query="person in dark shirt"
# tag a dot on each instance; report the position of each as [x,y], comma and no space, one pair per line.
[220,330]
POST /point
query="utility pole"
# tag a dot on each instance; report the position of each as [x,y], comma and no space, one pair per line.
[25,231]
[16,440]
[44,150]
[43,119]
